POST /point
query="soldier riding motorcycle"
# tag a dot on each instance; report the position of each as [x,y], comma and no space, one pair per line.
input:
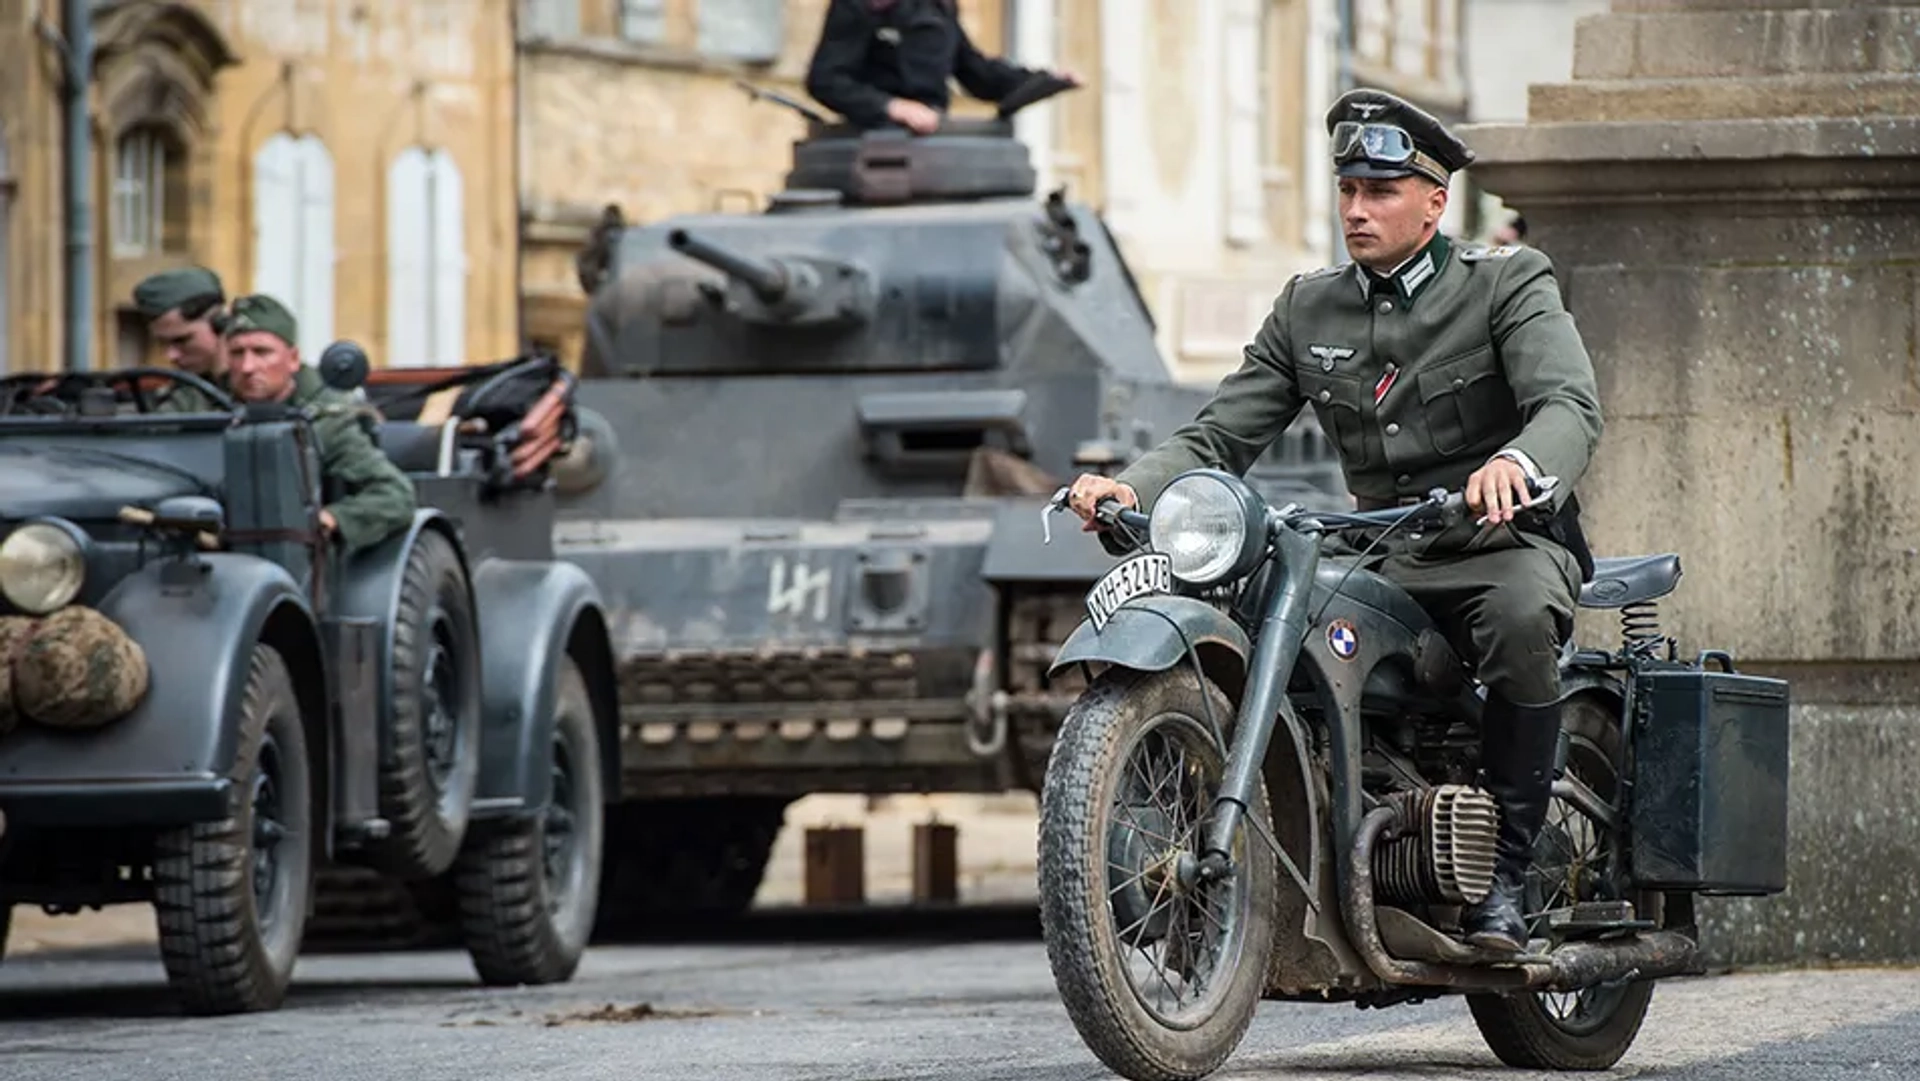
[1462,802]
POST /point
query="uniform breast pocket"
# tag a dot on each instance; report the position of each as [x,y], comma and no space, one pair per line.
[1337,403]
[1464,398]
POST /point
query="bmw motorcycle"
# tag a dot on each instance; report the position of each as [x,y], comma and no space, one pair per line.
[1268,791]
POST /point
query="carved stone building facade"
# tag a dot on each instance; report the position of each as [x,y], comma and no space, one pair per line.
[355,159]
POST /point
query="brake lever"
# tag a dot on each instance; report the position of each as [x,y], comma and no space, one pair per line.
[1054,506]
[1545,486]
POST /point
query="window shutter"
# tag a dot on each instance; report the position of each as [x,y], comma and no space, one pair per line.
[449,262]
[275,215]
[407,260]
[746,30]
[314,299]
[1246,196]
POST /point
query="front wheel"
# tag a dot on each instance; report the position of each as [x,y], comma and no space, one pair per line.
[230,897]
[1575,859]
[1160,972]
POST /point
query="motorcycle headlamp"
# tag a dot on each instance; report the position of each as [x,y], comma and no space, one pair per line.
[1210,525]
[43,564]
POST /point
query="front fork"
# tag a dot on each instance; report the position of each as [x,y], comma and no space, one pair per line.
[1277,640]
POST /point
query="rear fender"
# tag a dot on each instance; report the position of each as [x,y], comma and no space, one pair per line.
[1152,634]
[533,615]
[168,761]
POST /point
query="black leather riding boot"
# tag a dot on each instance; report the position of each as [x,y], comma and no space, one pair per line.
[1518,744]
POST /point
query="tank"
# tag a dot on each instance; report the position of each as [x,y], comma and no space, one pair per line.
[821,439]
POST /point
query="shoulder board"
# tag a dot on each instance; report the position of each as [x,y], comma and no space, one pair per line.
[1323,272]
[1479,252]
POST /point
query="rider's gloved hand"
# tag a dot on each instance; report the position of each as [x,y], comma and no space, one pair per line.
[1089,489]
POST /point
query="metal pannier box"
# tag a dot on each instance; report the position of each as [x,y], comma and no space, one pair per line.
[1709,800]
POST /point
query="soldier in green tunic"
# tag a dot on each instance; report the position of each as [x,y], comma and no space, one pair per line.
[1431,366]
[184,308]
[374,498]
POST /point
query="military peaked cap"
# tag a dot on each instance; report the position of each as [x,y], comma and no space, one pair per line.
[158,294]
[1376,134]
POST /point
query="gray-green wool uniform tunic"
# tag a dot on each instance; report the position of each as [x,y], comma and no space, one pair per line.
[1419,380]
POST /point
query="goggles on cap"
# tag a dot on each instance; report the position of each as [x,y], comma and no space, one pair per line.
[1381,144]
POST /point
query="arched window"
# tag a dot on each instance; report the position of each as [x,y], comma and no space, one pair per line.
[149,192]
[293,233]
[426,260]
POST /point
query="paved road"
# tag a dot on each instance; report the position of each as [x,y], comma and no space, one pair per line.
[865,1008]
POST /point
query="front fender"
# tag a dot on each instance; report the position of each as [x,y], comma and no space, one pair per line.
[531,611]
[369,588]
[168,761]
[1152,634]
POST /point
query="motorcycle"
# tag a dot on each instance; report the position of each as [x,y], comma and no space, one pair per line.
[1267,791]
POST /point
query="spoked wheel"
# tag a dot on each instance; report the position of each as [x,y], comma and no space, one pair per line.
[1160,970]
[1575,859]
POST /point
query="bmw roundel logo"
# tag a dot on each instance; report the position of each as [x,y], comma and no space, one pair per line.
[1343,639]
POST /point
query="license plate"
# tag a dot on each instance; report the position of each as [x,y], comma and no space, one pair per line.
[1137,577]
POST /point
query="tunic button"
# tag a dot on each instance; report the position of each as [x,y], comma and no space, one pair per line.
[1385,307]
[1326,396]
[1403,479]
[1393,429]
[1458,383]
[1392,367]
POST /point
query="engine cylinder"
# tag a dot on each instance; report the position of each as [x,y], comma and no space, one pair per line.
[1444,851]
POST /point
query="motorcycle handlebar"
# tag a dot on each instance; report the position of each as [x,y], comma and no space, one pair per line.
[1109,512]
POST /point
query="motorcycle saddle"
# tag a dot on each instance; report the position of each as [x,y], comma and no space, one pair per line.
[1626,580]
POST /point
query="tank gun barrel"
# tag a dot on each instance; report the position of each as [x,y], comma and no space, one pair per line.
[766,278]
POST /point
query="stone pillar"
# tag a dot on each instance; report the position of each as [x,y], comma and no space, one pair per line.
[1730,190]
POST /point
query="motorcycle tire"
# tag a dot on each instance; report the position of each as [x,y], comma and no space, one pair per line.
[1522,1029]
[1081,910]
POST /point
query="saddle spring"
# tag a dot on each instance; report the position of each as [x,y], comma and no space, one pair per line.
[1640,627]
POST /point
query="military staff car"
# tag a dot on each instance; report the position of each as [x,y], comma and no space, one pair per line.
[203,705]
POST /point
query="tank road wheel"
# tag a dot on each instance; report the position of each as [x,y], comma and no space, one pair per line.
[528,887]
[1574,860]
[1160,972]
[430,760]
[230,897]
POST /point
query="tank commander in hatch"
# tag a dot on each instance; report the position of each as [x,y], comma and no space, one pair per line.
[184,308]
[371,498]
[888,61]
[1431,366]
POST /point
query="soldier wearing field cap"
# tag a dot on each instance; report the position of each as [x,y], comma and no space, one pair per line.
[184,308]
[1430,366]
[370,499]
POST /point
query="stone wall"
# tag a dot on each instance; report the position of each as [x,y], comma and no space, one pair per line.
[1726,189]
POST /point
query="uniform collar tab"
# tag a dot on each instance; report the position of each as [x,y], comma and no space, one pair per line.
[1410,277]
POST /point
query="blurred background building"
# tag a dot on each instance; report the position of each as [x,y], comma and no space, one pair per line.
[419,176]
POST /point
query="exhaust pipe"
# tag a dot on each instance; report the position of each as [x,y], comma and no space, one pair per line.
[1646,956]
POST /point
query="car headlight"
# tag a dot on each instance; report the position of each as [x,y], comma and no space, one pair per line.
[1210,524]
[42,566]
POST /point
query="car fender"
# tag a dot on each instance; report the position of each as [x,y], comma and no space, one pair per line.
[1152,634]
[168,761]
[532,614]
